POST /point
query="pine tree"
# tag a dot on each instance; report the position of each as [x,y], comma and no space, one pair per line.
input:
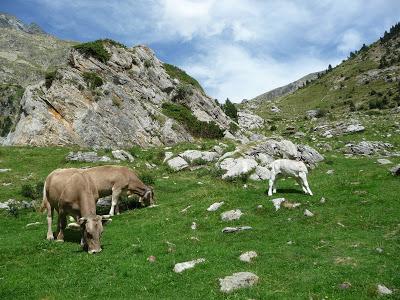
[230,110]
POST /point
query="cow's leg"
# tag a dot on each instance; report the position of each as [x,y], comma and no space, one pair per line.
[303,177]
[50,212]
[62,223]
[275,184]
[271,184]
[114,200]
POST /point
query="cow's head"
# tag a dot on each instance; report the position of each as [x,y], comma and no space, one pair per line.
[92,228]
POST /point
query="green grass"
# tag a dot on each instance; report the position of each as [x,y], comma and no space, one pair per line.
[365,202]
[183,77]
[95,49]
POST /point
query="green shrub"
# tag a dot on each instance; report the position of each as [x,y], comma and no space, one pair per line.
[28,191]
[199,162]
[49,78]
[94,49]
[380,103]
[5,125]
[230,110]
[183,91]
[113,43]
[148,63]
[183,77]
[92,80]
[273,127]
[233,127]
[321,112]
[197,128]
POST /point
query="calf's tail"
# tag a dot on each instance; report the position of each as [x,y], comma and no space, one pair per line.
[44,202]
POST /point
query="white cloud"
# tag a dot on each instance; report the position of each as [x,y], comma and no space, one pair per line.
[230,71]
[351,40]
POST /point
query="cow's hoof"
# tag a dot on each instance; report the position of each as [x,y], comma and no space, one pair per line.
[50,238]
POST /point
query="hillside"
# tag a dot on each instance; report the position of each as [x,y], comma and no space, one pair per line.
[281,91]
[368,79]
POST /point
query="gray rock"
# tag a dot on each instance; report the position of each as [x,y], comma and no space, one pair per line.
[275,109]
[237,281]
[352,128]
[384,161]
[261,173]
[249,121]
[215,206]
[383,290]
[248,256]
[309,155]
[122,155]
[231,215]
[237,166]
[368,148]
[4,170]
[168,155]
[104,202]
[193,155]
[395,170]
[180,267]
[87,157]
[312,113]
[308,213]
[10,203]
[236,229]
[277,203]
[177,163]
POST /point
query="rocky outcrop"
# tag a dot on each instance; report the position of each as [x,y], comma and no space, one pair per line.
[122,108]
[249,121]
[368,148]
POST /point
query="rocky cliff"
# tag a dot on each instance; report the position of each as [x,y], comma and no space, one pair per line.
[110,102]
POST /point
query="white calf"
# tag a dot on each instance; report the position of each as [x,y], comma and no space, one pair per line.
[288,168]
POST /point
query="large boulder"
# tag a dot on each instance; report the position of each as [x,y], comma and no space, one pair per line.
[122,155]
[195,155]
[235,167]
[249,121]
[237,281]
[368,148]
[177,163]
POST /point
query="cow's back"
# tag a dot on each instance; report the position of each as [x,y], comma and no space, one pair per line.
[105,177]
[55,184]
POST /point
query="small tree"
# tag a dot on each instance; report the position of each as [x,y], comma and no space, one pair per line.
[329,68]
[230,110]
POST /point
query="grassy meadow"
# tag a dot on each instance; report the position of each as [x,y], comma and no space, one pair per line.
[298,257]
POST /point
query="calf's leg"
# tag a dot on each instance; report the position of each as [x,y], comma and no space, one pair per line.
[50,212]
[303,177]
[116,192]
[62,220]
[271,184]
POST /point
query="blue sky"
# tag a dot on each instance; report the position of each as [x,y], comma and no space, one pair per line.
[235,48]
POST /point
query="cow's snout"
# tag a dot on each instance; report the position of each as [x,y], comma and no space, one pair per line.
[94,251]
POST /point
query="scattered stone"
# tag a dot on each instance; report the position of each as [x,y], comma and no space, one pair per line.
[368,148]
[290,243]
[237,166]
[7,183]
[277,203]
[395,170]
[185,209]
[4,170]
[215,206]
[180,267]
[383,290]
[379,250]
[151,259]
[122,155]
[237,281]
[150,166]
[345,285]
[259,206]
[177,163]
[330,172]
[308,213]
[231,215]
[168,155]
[87,157]
[12,203]
[193,226]
[384,161]
[235,229]
[248,256]
[193,156]
[290,205]
[275,109]
[354,128]
[323,200]
[33,224]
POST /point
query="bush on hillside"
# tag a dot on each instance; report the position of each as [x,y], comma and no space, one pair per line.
[49,78]
[230,110]
[95,49]
[197,128]
[92,80]
[183,91]
[182,76]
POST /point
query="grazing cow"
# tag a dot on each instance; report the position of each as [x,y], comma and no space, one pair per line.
[114,180]
[72,192]
[288,168]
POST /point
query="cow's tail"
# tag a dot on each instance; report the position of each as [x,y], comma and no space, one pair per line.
[43,207]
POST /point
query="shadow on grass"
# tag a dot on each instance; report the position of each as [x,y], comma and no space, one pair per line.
[286,191]
[72,236]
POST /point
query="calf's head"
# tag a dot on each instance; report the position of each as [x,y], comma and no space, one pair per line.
[148,197]
[92,228]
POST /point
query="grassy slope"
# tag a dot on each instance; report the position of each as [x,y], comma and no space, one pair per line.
[335,89]
[365,202]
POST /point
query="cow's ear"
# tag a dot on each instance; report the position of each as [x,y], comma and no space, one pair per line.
[82,221]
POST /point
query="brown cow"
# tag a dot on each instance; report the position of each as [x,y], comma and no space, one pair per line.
[72,192]
[114,180]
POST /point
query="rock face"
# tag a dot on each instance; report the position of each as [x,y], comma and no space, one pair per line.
[249,121]
[237,281]
[123,109]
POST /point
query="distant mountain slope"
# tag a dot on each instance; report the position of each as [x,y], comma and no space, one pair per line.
[11,22]
[26,52]
[283,90]
[368,79]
